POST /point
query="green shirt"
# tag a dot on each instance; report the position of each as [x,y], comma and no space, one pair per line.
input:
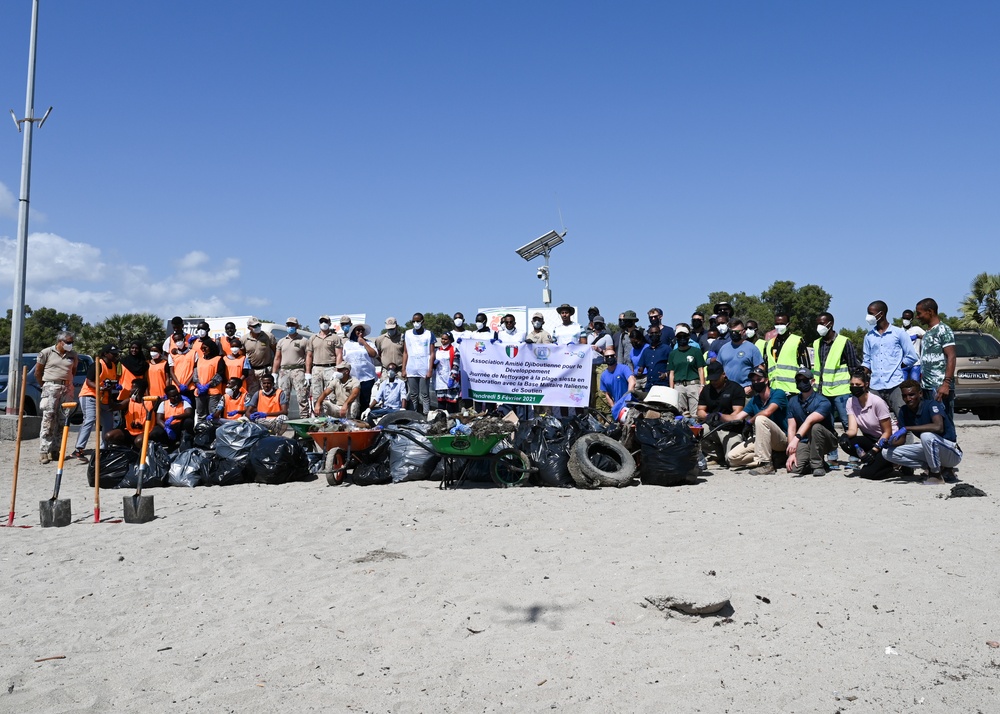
[685,363]
[933,363]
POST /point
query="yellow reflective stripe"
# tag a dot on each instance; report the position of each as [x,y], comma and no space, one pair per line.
[835,378]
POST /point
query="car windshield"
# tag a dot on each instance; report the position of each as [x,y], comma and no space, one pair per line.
[976,345]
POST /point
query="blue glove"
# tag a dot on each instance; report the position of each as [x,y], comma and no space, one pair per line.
[882,443]
[191,339]
[459,340]
[257,415]
[233,413]
[169,422]
[202,388]
[901,432]
[494,341]
[171,434]
[210,418]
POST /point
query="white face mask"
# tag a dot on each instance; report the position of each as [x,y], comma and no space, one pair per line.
[510,330]
[268,392]
[459,322]
[822,330]
[154,355]
[537,324]
[202,333]
[871,320]
[723,328]
[324,326]
[338,376]
[906,323]
[751,333]
[234,350]
[232,391]
[418,325]
[782,329]
[480,325]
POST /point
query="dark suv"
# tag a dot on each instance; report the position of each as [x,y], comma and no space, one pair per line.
[977,369]
[33,394]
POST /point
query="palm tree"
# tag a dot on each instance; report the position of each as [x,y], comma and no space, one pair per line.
[981,307]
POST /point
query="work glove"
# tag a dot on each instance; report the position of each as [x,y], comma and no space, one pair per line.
[171,434]
[257,415]
[309,378]
[845,442]
[899,433]
[210,419]
[882,443]
[201,388]
[191,339]
[233,413]
[169,422]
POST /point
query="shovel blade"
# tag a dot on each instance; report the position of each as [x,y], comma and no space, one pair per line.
[138,509]
[55,513]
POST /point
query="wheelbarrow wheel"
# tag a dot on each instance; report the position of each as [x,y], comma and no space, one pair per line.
[509,467]
[335,467]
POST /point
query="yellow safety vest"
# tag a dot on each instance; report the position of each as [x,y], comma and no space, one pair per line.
[833,378]
[761,345]
[781,369]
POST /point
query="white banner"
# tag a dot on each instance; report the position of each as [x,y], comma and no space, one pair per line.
[548,375]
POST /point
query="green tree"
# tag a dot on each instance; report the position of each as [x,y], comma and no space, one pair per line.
[40,328]
[856,336]
[120,330]
[436,322]
[802,305]
[981,307]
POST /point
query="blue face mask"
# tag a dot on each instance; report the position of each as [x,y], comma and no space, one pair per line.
[292,330]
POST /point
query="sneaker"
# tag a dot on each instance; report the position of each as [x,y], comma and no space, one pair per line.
[949,475]
[762,470]
[44,458]
[78,454]
[819,472]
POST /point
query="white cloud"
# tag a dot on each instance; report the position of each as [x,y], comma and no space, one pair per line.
[72,277]
[8,204]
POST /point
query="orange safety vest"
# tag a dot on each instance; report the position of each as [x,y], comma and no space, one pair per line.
[226,346]
[106,373]
[269,405]
[174,410]
[234,366]
[135,417]
[184,368]
[238,404]
[208,367]
[156,378]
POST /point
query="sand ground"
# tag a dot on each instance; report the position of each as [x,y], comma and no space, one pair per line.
[847,595]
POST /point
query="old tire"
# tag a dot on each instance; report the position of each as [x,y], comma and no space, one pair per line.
[403,416]
[586,474]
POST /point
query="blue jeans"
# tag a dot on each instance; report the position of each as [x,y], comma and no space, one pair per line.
[87,405]
[839,404]
[932,452]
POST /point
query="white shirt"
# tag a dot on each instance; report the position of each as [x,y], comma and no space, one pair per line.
[566,334]
[362,366]
[418,352]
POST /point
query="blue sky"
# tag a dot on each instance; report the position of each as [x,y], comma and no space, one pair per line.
[388,157]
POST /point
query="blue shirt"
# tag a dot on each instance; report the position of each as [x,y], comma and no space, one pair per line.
[739,360]
[925,415]
[886,354]
[391,394]
[799,409]
[615,381]
[654,361]
[780,417]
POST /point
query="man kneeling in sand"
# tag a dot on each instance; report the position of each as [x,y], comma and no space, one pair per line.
[767,412]
[929,422]
[340,400]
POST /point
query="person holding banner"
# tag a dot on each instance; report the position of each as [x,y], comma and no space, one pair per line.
[537,335]
[447,375]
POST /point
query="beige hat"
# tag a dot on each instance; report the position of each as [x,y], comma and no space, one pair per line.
[345,319]
[253,321]
[325,318]
[343,365]
[390,322]
[538,316]
[292,321]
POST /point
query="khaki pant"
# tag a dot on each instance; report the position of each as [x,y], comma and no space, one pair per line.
[767,438]
[687,398]
[322,377]
[293,383]
[53,395]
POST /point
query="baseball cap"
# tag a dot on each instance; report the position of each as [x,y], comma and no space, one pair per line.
[252,322]
[342,365]
[758,372]
[715,370]
[803,372]
[538,316]
[292,321]
[390,322]
[345,319]
[324,318]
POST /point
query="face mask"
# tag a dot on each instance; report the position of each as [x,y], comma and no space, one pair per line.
[338,376]
[268,392]
[202,333]
[610,360]
[736,337]
[392,375]
[822,330]
[723,329]
[345,328]
[871,320]
[696,324]
[758,387]
[906,323]
[803,386]
[782,329]
[324,326]
[232,392]
[255,329]
[683,340]
[293,330]
[234,350]
[391,331]
[654,338]
[537,324]
[857,390]
[751,333]
[653,320]
[459,322]
[480,325]
[418,326]
[510,330]
[154,355]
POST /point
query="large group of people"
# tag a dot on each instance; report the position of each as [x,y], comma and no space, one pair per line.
[756,394]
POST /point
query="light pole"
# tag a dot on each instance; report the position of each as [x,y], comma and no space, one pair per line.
[17,314]
[542,246]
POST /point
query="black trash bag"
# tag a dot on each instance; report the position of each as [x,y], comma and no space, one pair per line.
[584,423]
[217,471]
[204,435]
[545,440]
[275,460]
[186,468]
[376,474]
[115,464]
[236,439]
[669,452]
[411,456]
[316,462]
[157,469]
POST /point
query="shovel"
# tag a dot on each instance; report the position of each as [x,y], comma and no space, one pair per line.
[17,454]
[56,511]
[138,508]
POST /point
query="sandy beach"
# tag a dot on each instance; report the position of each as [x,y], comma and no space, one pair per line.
[847,595]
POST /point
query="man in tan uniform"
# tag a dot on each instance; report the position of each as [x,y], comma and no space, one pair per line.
[290,365]
[390,345]
[259,348]
[340,399]
[54,370]
[323,353]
